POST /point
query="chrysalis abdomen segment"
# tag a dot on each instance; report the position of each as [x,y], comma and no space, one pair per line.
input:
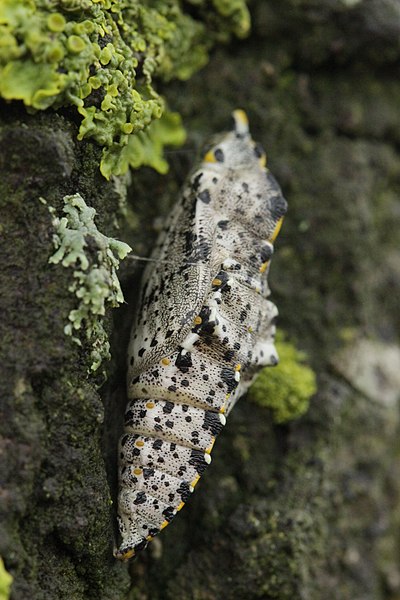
[189,426]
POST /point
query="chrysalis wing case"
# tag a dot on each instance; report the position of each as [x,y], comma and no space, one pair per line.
[203,330]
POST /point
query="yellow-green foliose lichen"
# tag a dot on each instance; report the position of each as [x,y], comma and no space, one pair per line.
[287,388]
[94,259]
[5,582]
[103,56]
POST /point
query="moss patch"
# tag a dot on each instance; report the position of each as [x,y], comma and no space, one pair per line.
[95,260]
[101,57]
[287,388]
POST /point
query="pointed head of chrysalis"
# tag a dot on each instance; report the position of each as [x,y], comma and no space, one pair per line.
[235,148]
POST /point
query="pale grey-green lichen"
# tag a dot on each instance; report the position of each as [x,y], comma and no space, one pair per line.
[94,258]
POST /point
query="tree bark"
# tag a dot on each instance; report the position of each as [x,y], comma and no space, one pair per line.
[306,510]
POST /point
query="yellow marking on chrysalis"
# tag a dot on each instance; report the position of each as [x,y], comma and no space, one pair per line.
[250,329]
[216,281]
[238,367]
[241,120]
[128,554]
[180,506]
[165,361]
[163,524]
[222,410]
[195,480]
[138,471]
[276,230]
[149,538]
[139,444]
[150,405]
[208,450]
[263,267]
[198,320]
[262,161]
[210,157]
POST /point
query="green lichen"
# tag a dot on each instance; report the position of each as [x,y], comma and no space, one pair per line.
[287,388]
[236,13]
[145,148]
[94,259]
[5,582]
[102,57]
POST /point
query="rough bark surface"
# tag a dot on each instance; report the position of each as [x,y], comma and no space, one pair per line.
[308,510]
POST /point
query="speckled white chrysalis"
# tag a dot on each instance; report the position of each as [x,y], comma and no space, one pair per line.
[203,330]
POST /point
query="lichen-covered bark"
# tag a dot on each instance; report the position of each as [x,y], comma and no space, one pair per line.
[57,527]
[306,510]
